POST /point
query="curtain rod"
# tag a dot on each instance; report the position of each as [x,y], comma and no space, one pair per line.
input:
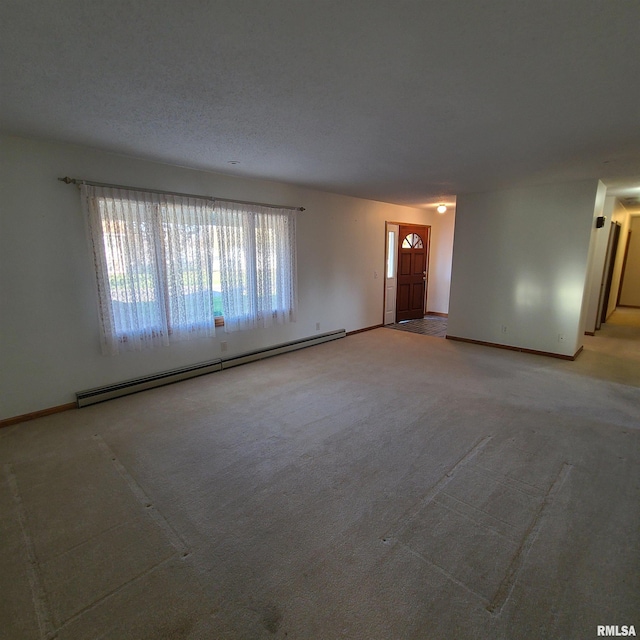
[77,181]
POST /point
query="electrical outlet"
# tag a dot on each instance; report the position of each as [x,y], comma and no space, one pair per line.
[503,329]
[375,275]
[223,346]
[317,326]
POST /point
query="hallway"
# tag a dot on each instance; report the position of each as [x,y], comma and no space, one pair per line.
[614,352]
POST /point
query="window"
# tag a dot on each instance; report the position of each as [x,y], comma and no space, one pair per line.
[391,254]
[257,265]
[412,241]
[170,268]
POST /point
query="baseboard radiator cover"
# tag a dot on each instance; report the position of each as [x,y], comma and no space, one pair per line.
[108,392]
[251,356]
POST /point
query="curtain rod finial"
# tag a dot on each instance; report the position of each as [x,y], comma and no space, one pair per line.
[67,180]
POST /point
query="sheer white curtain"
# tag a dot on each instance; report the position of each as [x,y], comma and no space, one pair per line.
[154,259]
[257,265]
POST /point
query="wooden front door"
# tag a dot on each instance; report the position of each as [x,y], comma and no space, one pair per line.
[413,241]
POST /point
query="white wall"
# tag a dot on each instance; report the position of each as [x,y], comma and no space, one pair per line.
[630,293]
[49,344]
[520,261]
[441,250]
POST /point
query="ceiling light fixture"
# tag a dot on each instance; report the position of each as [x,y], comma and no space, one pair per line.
[441,208]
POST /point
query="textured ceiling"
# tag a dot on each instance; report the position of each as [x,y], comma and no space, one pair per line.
[406,102]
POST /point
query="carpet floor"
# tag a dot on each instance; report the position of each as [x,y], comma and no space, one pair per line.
[382,486]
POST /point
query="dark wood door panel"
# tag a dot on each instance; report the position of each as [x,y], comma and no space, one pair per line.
[417,299]
[418,265]
[405,264]
[412,261]
[404,296]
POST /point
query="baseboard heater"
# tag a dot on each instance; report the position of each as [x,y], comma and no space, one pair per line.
[100,394]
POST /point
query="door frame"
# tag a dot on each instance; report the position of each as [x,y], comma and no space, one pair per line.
[427,227]
[607,275]
[624,267]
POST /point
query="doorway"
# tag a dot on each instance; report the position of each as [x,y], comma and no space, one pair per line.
[607,277]
[407,260]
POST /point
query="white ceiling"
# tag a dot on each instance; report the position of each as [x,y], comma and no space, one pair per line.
[409,102]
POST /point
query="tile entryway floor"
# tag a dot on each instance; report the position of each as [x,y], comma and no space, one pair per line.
[429,326]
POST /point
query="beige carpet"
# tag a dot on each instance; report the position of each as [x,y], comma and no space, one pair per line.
[384,486]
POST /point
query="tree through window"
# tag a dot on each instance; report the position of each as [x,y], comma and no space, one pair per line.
[171,267]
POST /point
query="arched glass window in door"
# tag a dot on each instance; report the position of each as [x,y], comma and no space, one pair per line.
[412,241]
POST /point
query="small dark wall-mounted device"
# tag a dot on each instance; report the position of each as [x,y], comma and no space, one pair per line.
[600,222]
